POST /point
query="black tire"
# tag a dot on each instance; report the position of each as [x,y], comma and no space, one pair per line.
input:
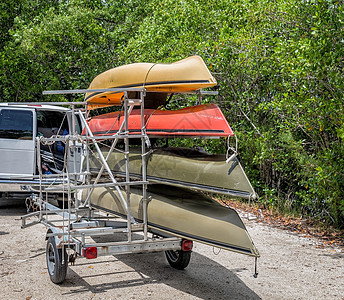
[57,270]
[178,259]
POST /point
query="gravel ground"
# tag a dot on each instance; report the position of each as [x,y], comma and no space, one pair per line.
[290,267]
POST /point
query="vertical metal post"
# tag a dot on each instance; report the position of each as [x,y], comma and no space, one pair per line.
[74,153]
[69,213]
[144,168]
[39,166]
[87,157]
[73,119]
[67,149]
[255,275]
[126,150]
[199,98]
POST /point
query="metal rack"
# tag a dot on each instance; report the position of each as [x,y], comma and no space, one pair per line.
[72,228]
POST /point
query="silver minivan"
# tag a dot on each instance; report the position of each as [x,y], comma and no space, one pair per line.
[19,127]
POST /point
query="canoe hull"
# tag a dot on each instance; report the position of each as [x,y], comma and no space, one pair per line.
[186,168]
[200,120]
[186,75]
[183,213]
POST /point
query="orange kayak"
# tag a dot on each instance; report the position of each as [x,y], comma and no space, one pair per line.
[200,120]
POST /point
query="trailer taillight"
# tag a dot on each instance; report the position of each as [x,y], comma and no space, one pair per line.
[90,252]
[187,245]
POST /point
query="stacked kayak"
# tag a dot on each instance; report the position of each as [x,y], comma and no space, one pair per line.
[187,75]
[186,167]
[184,213]
[200,120]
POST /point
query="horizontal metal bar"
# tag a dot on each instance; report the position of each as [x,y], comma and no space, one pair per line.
[134,101]
[61,175]
[61,212]
[104,137]
[86,186]
[88,232]
[114,136]
[138,247]
[63,138]
[26,225]
[97,231]
[51,222]
[108,184]
[29,215]
[137,227]
[51,210]
[197,92]
[113,250]
[126,247]
[84,91]
[57,211]
[53,178]
[108,244]
[210,93]
[233,193]
[46,103]
[96,224]
[19,181]
[25,217]
[83,225]
[97,137]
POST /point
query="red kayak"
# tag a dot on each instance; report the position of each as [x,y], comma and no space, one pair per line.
[199,120]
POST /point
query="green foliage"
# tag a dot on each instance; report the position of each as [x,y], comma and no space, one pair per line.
[62,46]
[279,65]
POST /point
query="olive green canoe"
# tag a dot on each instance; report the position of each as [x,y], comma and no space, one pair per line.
[184,167]
[184,213]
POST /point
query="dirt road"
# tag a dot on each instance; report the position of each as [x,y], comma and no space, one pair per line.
[290,267]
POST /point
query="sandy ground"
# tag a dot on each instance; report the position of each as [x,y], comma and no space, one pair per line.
[290,267]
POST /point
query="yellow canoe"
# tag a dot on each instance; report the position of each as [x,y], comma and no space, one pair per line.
[186,75]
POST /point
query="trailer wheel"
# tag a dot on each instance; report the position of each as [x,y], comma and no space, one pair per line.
[56,268]
[178,259]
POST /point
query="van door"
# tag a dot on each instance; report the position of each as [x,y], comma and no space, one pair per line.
[17,144]
[75,149]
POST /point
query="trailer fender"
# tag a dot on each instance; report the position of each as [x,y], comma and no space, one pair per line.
[58,238]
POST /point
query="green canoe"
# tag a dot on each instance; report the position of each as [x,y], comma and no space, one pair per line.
[184,213]
[184,167]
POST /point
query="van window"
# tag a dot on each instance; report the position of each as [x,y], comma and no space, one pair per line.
[16,124]
[78,127]
[51,123]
